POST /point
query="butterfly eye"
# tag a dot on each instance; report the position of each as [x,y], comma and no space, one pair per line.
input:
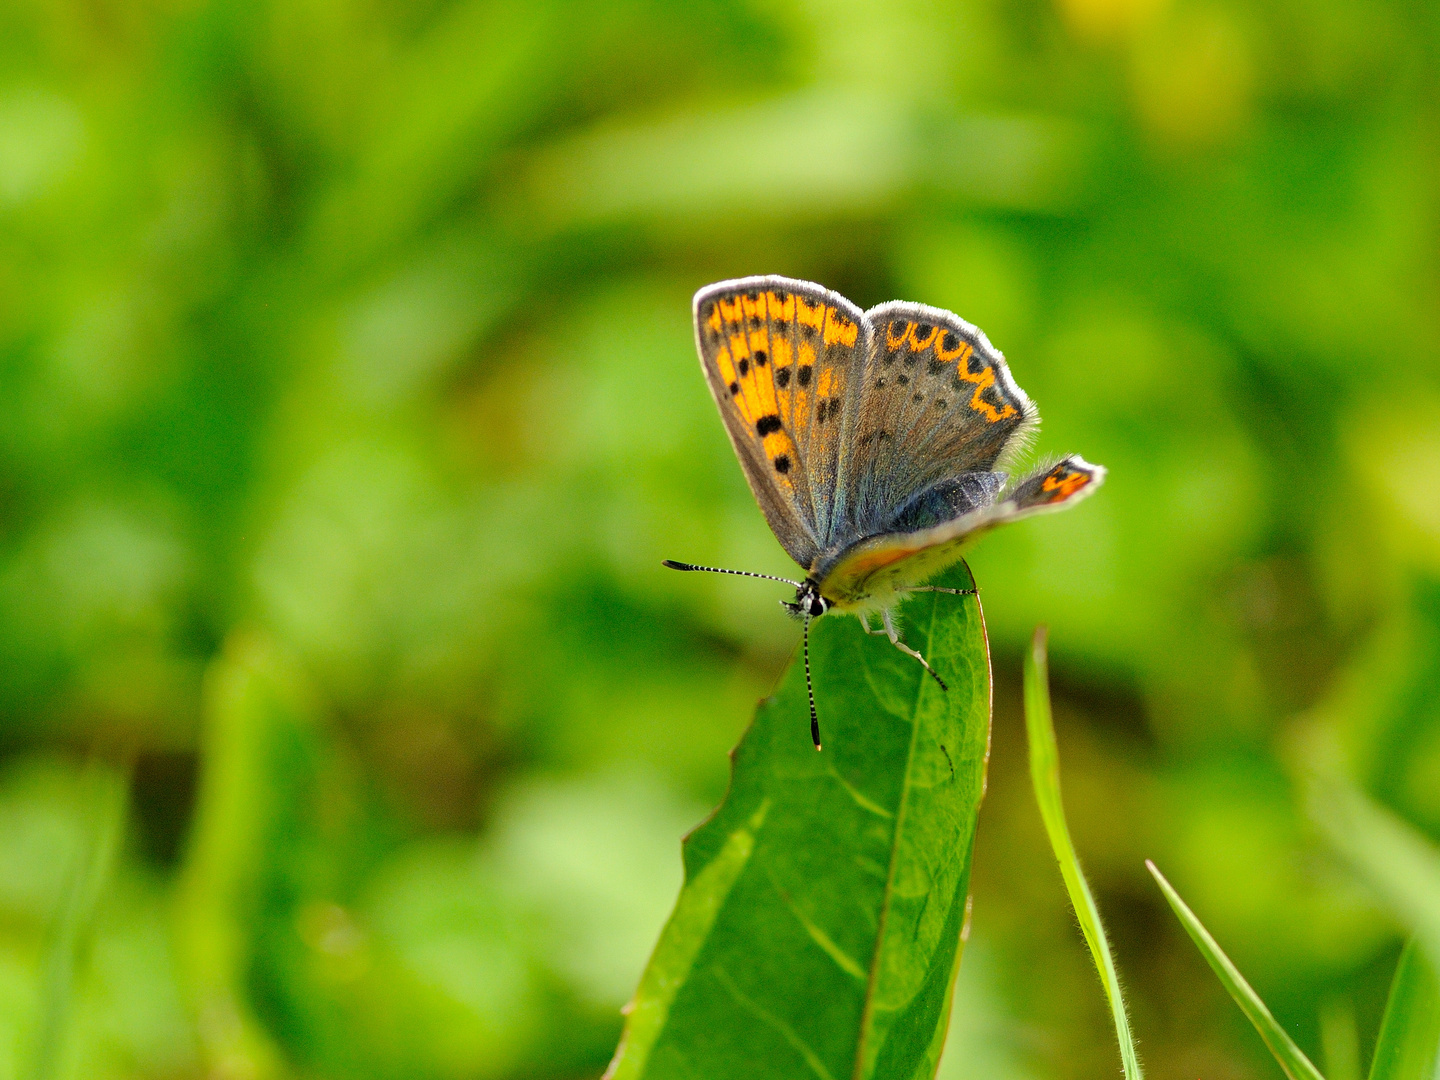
[818,606]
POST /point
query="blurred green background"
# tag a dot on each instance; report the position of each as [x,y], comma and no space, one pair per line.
[348,404]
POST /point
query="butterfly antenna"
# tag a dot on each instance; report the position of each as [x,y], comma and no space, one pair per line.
[810,687]
[673,565]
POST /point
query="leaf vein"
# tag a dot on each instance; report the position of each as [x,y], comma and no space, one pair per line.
[786,1031]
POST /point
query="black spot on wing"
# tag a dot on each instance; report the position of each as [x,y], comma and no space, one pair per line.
[767,424]
[782,463]
[743,366]
[782,377]
[760,358]
[803,375]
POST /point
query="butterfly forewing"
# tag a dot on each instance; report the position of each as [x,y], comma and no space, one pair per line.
[784,361]
[937,402]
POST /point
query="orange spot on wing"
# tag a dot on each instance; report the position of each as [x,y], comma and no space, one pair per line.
[714,320]
[838,328]
[730,311]
[763,376]
[801,408]
[726,367]
[960,353]
[1064,484]
[985,377]
[781,353]
[777,443]
[781,306]
[895,342]
[806,315]
[826,383]
[916,345]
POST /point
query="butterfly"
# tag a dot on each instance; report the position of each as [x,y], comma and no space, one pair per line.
[876,442]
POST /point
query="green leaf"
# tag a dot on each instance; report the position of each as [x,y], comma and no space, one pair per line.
[820,926]
[1399,863]
[1045,775]
[1410,1030]
[1291,1058]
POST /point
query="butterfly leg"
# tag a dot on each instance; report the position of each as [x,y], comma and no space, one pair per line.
[865,625]
[895,640]
[938,588]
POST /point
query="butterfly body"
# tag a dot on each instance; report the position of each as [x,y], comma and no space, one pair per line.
[875,442]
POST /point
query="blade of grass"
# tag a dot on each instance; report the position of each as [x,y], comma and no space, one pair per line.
[1339,1040]
[1400,864]
[251,707]
[1291,1058]
[108,790]
[1045,775]
[1410,1030]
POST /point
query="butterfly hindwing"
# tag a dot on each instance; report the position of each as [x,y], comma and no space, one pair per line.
[784,360]
[872,572]
[938,402]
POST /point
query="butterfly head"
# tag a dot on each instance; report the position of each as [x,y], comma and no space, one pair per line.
[808,601]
